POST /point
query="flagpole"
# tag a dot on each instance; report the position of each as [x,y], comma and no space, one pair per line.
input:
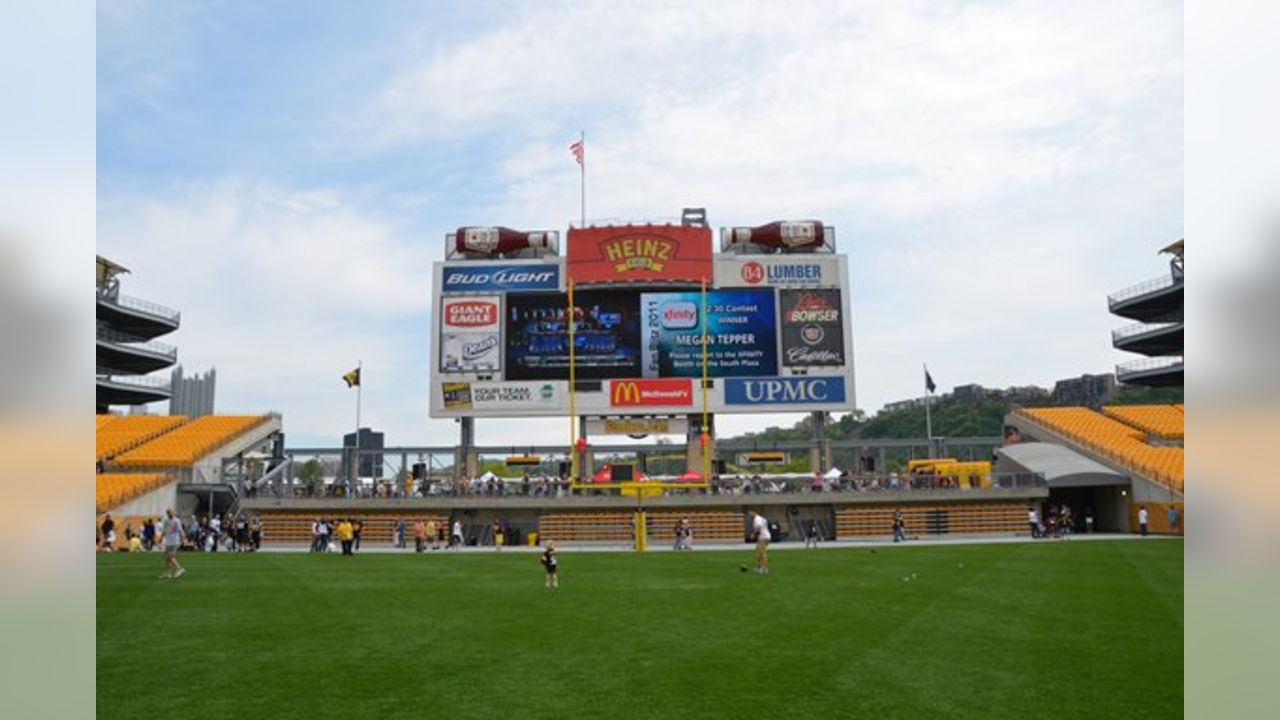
[582,168]
[928,418]
[355,456]
[573,396]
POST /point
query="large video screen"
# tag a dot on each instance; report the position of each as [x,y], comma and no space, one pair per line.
[741,334]
[606,336]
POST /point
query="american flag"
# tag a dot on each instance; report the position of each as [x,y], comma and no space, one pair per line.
[577,149]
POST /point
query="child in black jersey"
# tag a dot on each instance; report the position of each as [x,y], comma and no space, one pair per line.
[549,562]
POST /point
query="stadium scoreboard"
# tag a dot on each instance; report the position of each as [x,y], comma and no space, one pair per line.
[777,325]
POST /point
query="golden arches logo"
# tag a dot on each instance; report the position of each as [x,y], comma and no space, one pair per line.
[626,393]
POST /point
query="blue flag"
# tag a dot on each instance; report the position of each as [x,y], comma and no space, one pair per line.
[928,381]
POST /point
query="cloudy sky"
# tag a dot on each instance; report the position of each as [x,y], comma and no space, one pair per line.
[284,173]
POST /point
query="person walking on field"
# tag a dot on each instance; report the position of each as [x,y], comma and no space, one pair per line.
[760,533]
[550,564]
[1142,520]
[171,532]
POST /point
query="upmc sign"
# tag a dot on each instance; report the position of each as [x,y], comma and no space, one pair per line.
[784,391]
[500,278]
[639,253]
[648,393]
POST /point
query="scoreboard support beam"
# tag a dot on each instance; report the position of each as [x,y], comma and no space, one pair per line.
[820,453]
[464,466]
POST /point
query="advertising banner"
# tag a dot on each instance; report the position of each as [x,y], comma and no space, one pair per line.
[637,426]
[469,334]
[639,253]
[812,328]
[606,336]
[778,271]
[784,391]
[741,333]
[521,396]
[486,277]
[650,393]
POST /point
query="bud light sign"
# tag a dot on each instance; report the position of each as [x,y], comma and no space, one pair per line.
[500,278]
[784,391]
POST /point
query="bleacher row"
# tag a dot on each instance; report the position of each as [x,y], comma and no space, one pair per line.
[1008,517]
[1166,422]
[1122,443]
[116,435]
[115,489]
[295,528]
[189,442]
[165,441]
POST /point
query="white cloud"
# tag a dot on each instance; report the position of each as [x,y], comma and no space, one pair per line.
[1006,164]
[992,169]
[283,291]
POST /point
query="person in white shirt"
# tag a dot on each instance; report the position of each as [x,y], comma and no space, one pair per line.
[760,533]
[455,537]
[1142,520]
[1033,519]
[171,532]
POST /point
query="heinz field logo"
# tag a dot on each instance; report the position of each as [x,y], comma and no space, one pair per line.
[812,309]
[638,252]
[630,393]
[679,315]
[784,391]
[470,313]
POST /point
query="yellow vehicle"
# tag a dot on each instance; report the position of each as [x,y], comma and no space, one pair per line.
[951,472]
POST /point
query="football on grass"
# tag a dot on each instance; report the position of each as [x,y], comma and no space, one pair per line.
[743,568]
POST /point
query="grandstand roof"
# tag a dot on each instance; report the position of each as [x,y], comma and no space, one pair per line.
[107,269]
[1174,249]
[1062,466]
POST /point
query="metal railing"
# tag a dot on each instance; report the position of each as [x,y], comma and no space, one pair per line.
[1141,328]
[1148,364]
[549,487]
[145,306]
[136,343]
[1142,288]
[140,381]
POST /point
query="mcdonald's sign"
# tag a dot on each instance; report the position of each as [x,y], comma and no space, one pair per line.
[639,393]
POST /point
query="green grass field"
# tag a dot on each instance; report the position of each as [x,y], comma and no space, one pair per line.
[1051,629]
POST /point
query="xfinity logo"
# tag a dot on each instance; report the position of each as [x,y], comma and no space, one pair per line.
[679,315]
[784,391]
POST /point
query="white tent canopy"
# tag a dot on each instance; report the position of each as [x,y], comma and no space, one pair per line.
[832,474]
